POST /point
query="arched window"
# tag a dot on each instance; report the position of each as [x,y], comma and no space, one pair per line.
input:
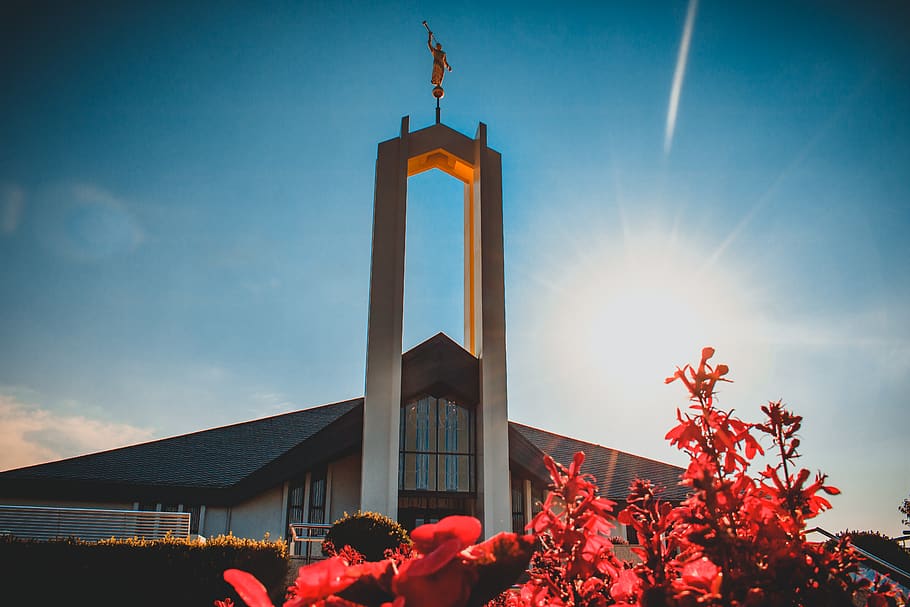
[436,446]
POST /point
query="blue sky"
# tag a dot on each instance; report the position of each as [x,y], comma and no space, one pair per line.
[186,206]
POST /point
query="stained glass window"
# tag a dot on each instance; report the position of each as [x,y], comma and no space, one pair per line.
[436,446]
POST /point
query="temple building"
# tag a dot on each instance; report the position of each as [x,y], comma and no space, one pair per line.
[431,436]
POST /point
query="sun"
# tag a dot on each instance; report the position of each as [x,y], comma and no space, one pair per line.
[642,316]
[628,318]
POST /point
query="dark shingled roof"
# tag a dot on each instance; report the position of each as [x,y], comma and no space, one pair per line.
[237,460]
[215,458]
[613,469]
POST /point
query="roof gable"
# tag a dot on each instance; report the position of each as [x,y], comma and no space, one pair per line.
[614,470]
[442,368]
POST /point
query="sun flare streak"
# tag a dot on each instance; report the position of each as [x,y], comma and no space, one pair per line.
[681,60]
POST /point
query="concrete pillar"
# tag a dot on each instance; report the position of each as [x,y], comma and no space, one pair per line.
[382,398]
[480,168]
[493,418]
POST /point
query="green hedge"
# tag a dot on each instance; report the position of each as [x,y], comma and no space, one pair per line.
[369,533]
[164,573]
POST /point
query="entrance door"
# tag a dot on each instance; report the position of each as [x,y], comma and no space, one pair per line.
[414,511]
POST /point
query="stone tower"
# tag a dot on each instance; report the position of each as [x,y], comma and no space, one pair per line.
[479,168]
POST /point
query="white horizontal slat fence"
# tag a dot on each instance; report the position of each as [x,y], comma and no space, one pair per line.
[91,524]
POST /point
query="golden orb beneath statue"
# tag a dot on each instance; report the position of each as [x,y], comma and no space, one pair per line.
[438,92]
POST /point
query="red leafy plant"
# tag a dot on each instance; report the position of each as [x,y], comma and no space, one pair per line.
[575,563]
[445,569]
[737,540]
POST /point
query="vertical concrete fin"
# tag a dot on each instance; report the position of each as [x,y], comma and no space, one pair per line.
[382,394]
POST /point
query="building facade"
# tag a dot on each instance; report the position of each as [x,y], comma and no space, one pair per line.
[431,436]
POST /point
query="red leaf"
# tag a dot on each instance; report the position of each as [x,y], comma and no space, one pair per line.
[626,588]
[465,529]
[248,587]
[320,580]
[447,582]
[702,574]
[577,461]
[752,446]
[434,561]
[552,468]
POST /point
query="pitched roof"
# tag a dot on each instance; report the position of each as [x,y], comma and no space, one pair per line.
[231,462]
[209,459]
[613,469]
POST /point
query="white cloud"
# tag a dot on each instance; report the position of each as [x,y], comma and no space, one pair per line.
[879,329]
[87,223]
[32,435]
[12,199]
[271,403]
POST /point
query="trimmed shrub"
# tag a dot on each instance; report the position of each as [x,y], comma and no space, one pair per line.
[369,533]
[884,548]
[136,572]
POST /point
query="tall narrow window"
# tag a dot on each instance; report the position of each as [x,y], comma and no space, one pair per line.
[437,451]
[450,427]
[195,515]
[422,444]
[518,505]
[317,496]
[538,496]
[295,501]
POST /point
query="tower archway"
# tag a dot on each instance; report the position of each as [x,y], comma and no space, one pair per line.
[479,168]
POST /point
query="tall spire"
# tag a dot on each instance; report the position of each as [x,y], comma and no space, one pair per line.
[479,168]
